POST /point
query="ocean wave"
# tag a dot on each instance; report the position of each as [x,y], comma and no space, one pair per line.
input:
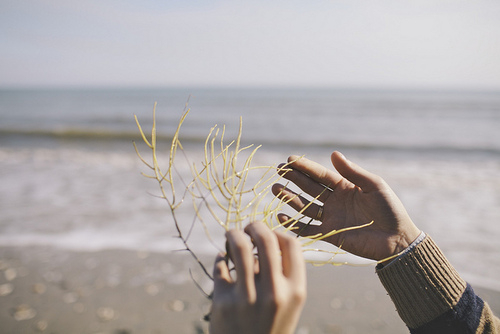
[69,133]
[85,134]
[272,143]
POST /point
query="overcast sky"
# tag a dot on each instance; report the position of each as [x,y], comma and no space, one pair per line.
[349,43]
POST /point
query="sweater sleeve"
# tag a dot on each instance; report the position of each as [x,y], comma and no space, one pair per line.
[431,297]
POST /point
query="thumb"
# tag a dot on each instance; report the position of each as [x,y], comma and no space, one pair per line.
[360,177]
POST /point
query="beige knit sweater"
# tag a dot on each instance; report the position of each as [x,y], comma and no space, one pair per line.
[431,297]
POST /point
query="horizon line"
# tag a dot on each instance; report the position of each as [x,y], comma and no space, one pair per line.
[275,87]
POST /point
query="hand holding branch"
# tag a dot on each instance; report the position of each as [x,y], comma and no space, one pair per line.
[267,294]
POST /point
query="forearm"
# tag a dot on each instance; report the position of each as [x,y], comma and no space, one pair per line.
[431,297]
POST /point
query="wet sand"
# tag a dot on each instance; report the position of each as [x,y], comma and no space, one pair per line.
[48,290]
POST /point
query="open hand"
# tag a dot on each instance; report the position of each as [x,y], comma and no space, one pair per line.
[351,197]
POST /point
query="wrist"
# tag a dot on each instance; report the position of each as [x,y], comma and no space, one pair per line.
[403,252]
[422,283]
[407,236]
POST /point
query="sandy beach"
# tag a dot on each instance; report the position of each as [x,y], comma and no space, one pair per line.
[47,290]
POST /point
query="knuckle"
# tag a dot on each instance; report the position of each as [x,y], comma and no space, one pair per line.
[289,242]
[263,236]
[240,247]
[299,295]
[379,181]
[273,301]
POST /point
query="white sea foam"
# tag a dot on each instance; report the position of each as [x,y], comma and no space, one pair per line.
[86,200]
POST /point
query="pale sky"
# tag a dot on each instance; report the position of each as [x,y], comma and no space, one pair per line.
[348,43]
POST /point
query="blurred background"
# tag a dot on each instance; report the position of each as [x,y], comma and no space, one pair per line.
[410,91]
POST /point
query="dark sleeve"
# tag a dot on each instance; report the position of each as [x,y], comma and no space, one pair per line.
[431,297]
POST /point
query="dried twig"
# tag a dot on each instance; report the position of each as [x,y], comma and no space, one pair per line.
[226,183]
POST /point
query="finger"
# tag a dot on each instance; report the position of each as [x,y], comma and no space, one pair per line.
[309,185]
[314,171]
[292,259]
[241,255]
[297,202]
[222,278]
[300,228]
[268,249]
[362,178]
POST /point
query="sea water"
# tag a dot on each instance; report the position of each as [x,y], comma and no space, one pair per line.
[70,177]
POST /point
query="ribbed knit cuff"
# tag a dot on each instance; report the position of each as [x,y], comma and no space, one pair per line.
[422,284]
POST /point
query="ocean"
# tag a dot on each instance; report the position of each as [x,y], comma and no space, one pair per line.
[71,179]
